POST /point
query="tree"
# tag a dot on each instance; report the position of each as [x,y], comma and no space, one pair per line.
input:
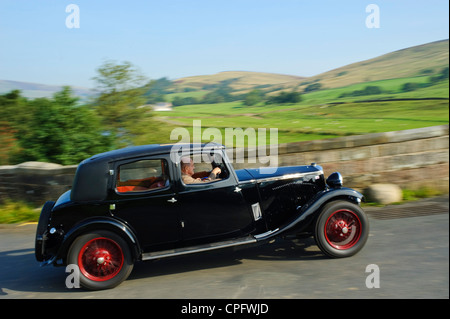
[410,86]
[285,97]
[60,131]
[372,90]
[440,77]
[8,142]
[113,77]
[221,93]
[368,90]
[189,100]
[155,90]
[14,114]
[121,90]
[121,97]
[13,108]
[312,87]
[253,97]
[213,97]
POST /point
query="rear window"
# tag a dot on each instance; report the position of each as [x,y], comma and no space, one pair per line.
[143,175]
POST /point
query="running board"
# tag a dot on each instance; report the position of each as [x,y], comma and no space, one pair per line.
[199,248]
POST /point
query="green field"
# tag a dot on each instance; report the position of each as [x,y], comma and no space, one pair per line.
[332,111]
[323,114]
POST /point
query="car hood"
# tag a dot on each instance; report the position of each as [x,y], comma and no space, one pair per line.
[249,174]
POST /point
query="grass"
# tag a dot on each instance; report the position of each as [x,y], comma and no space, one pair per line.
[392,89]
[409,195]
[17,212]
[323,114]
[423,192]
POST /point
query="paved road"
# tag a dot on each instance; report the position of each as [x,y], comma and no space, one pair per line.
[410,251]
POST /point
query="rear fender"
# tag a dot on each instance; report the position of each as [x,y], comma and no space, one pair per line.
[41,230]
[104,223]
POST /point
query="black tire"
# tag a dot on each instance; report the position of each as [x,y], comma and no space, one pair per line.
[103,258]
[341,229]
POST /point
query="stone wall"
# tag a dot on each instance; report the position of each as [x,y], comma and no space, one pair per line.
[35,182]
[410,159]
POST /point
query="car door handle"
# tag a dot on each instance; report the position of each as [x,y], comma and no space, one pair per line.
[237,189]
[172,200]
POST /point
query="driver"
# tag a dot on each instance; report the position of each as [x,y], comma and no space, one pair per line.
[187,170]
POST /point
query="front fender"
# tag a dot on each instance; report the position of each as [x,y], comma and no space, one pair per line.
[307,212]
[104,223]
[328,195]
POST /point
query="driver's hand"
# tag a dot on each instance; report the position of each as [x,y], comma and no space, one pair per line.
[217,171]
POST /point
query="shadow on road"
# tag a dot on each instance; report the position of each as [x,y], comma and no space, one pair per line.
[282,250]
[21,272]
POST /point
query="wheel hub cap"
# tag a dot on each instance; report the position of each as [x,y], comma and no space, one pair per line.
[343,229]
[100,259]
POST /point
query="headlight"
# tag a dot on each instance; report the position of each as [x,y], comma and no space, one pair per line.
[335,180]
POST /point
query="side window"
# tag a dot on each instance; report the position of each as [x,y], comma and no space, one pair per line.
[203,168]
[143,175]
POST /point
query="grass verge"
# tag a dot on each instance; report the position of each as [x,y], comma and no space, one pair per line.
[409,195]
[12,212]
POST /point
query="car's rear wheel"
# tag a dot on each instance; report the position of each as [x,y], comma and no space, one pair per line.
[103,258]
[341,229]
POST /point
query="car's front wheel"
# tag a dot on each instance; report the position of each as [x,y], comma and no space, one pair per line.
[103,258]
[341,229]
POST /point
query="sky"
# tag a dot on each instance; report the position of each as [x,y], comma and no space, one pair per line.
[41,42]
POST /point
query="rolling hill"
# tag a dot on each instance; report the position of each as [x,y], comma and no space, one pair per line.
[237,80]
[426,59]
[421,60]
[410,62]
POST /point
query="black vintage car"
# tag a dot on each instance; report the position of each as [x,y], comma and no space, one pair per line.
[135,204]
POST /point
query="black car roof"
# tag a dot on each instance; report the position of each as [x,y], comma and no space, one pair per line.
[151,149]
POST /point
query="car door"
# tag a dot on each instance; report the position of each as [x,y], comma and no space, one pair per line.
[145,195]
[213,210]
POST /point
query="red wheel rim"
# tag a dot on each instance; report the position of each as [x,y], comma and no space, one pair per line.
[100,259]
[343,229]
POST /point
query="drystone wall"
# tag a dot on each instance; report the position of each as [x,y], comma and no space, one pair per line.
[410,159]
[35,182]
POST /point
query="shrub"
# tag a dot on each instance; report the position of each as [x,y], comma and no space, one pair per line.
[285,97]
